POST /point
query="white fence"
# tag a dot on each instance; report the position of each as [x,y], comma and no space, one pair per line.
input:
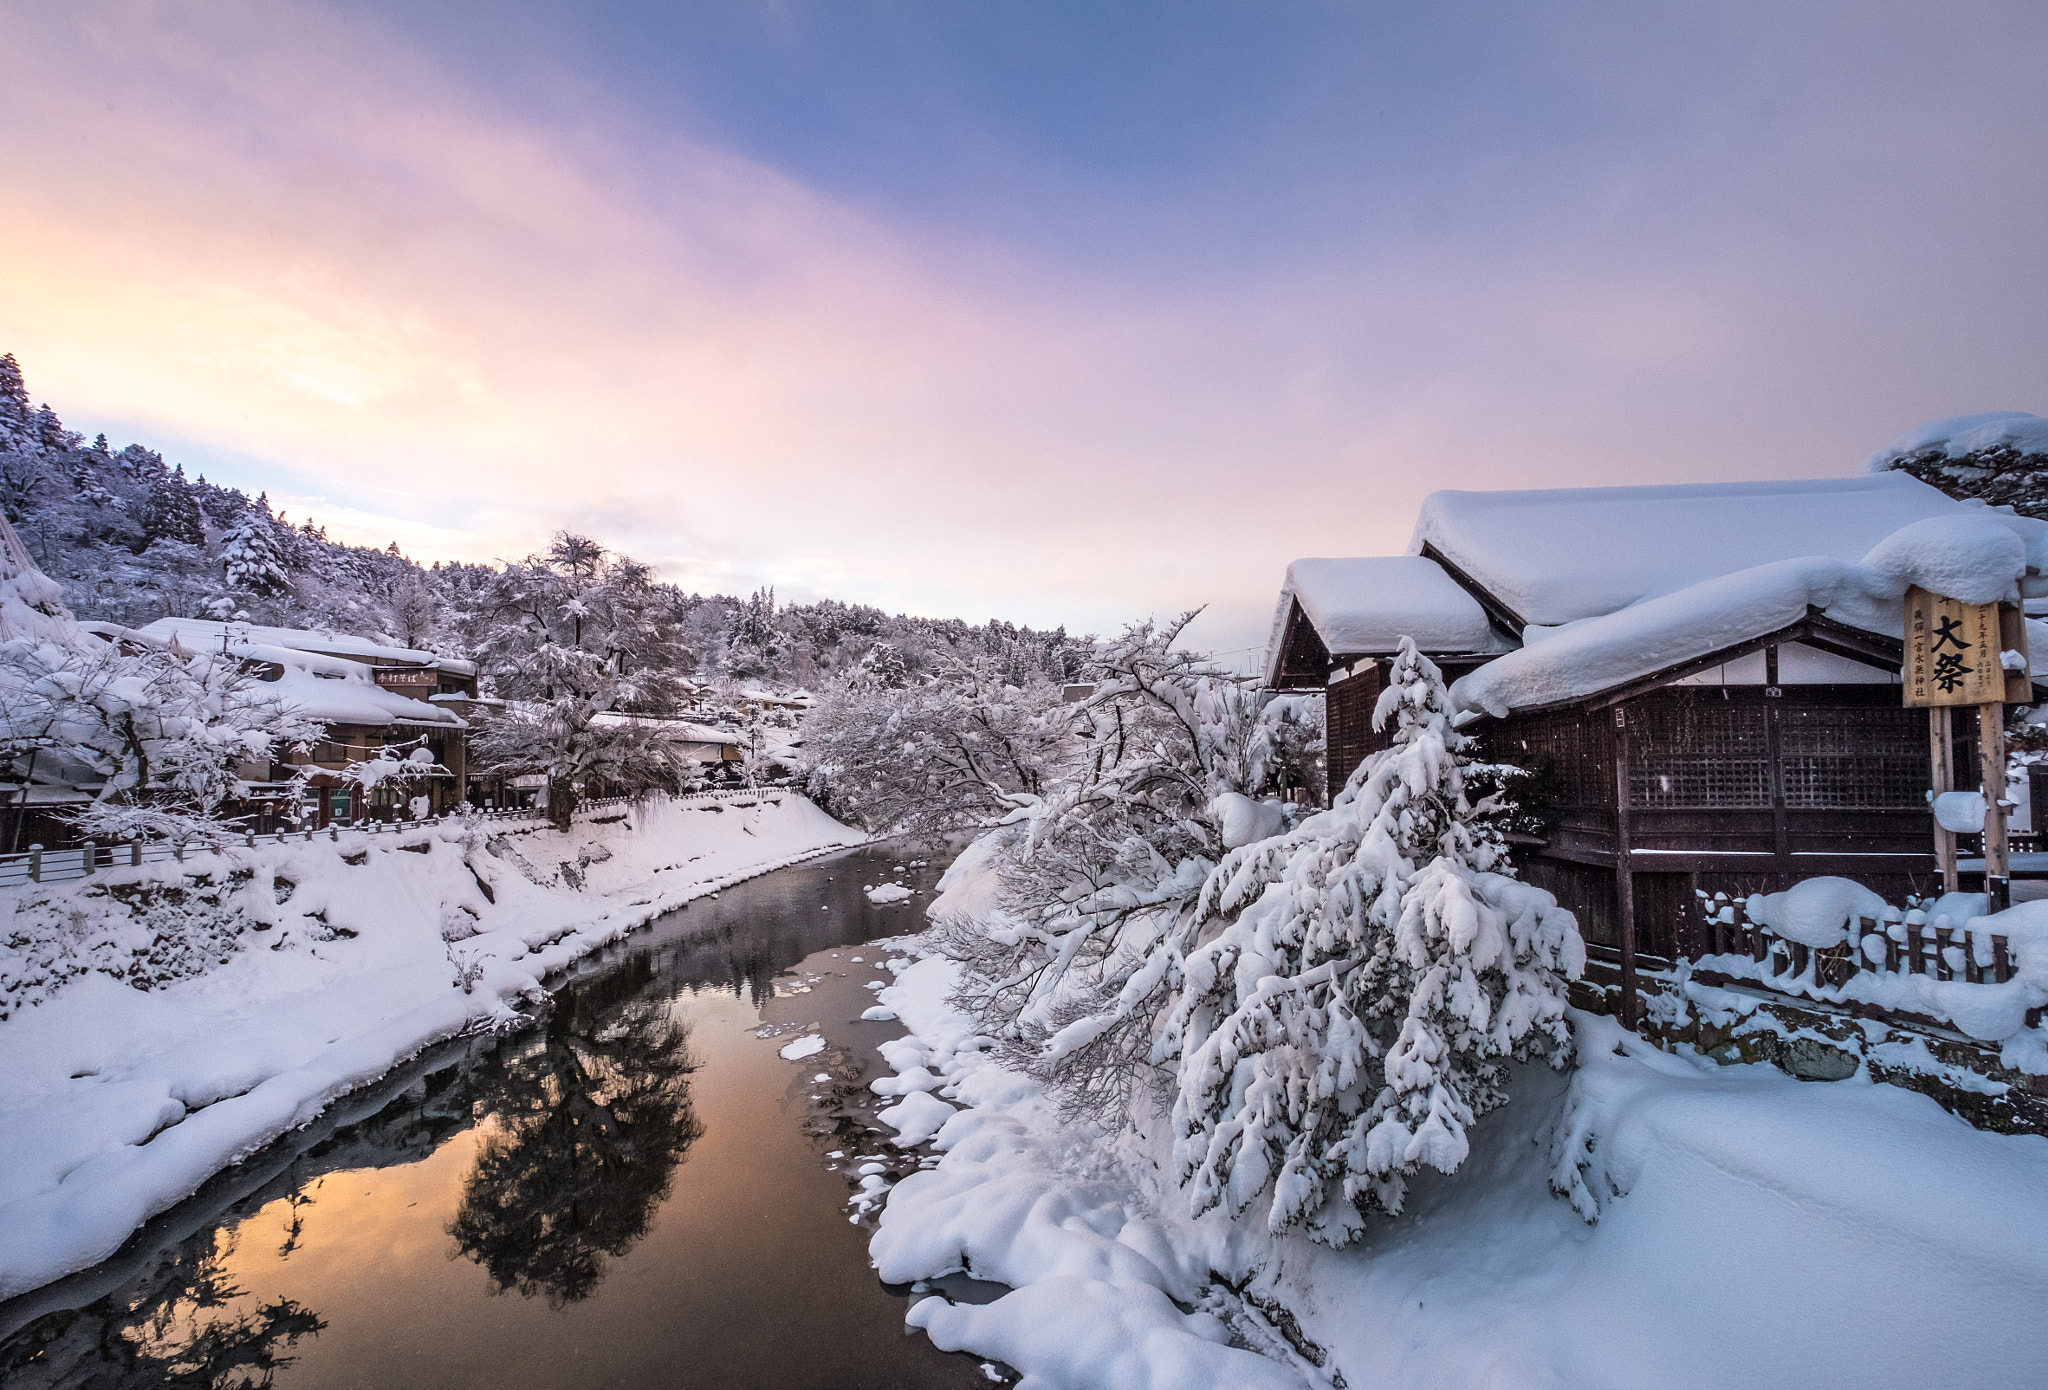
[38,865]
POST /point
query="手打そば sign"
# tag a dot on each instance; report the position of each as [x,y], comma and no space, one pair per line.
[1953,652]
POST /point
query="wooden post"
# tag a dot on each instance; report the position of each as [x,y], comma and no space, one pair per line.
[1941,762]
[1624,872]
[1991,759]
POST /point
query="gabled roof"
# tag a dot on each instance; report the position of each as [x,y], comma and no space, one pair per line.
[1364,607]
[1564,554]
[1853,609]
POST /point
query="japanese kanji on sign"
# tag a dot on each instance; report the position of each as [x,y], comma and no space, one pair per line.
[1953,651]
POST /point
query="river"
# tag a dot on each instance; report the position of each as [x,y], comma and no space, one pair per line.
[639,1191]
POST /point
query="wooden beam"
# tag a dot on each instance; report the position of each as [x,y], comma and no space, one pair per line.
[1499,613]
[1991,762]
[1941,764]
[1624,872]
[1815,630]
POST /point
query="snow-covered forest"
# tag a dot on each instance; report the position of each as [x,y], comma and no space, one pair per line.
[132,539]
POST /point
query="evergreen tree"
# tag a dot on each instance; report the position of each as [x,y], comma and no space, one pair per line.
[882,669]
[250,560]
[1357,1015]
[173,512]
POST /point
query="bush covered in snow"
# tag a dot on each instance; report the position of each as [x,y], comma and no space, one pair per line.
[1330,1006]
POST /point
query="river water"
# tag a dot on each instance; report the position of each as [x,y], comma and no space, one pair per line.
[639,1192]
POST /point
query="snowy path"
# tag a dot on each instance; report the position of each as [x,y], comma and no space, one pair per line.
[115,1103]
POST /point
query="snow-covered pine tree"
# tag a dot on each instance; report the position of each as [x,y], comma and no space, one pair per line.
[882,668]
[173,512]
[1357,1015]
[251,561]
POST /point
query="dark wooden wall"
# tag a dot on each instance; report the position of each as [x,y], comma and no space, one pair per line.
[1348,732]
[1727,789]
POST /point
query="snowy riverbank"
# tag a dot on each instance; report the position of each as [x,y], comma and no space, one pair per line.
[291,974]
[1754,1230]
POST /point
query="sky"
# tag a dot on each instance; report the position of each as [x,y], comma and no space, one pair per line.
[1059,313]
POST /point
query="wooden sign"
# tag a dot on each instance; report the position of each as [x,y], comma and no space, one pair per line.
[1952,651]
[406,676]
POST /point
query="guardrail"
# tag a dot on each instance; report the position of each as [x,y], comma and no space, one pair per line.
[39,865]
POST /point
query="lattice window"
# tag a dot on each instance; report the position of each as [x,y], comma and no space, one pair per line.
[1700,782]
[1854,759]
[1691,753]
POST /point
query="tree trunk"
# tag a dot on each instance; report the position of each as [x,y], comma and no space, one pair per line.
[561,802]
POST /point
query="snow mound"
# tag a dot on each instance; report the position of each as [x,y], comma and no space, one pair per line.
[810,1045]
[1244,820]
[886,893]
[1974,558]
[1816,911]
[1965,434]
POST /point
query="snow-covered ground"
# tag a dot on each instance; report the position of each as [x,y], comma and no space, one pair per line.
[1753,1230]
[298,972]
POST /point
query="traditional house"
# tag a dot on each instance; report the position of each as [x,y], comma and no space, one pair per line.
[372,698]
[1702,681]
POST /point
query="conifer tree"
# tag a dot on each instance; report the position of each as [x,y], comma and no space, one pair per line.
[1356,1016]
[173,512]
[251,562]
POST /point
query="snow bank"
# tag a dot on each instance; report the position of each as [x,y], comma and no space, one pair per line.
[1965,434]
[1752,1230]
[1244,820]
[340,960]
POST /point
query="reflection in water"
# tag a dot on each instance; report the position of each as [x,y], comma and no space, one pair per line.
[172,1329]
[590,1122]
[582,1126]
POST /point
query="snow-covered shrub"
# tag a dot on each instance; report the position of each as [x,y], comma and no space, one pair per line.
[964,750]
[2001,457]
[1101,872]
[1376,973]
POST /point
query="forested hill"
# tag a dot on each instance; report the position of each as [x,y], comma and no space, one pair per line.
[133,539]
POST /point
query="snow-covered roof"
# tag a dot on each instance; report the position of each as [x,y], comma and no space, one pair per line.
[1965,434]
[1370,604]
[197,634]
[1367,605]
[1974,555]
[331,689]
[1566,554]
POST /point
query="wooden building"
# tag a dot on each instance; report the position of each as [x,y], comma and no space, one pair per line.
[370,696]
[1698,680]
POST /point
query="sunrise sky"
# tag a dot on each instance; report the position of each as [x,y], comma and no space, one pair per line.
[1060,313]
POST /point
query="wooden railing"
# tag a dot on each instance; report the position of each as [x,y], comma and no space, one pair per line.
[1902,942]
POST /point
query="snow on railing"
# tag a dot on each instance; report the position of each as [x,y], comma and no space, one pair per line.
[1900,943]
[39,865]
